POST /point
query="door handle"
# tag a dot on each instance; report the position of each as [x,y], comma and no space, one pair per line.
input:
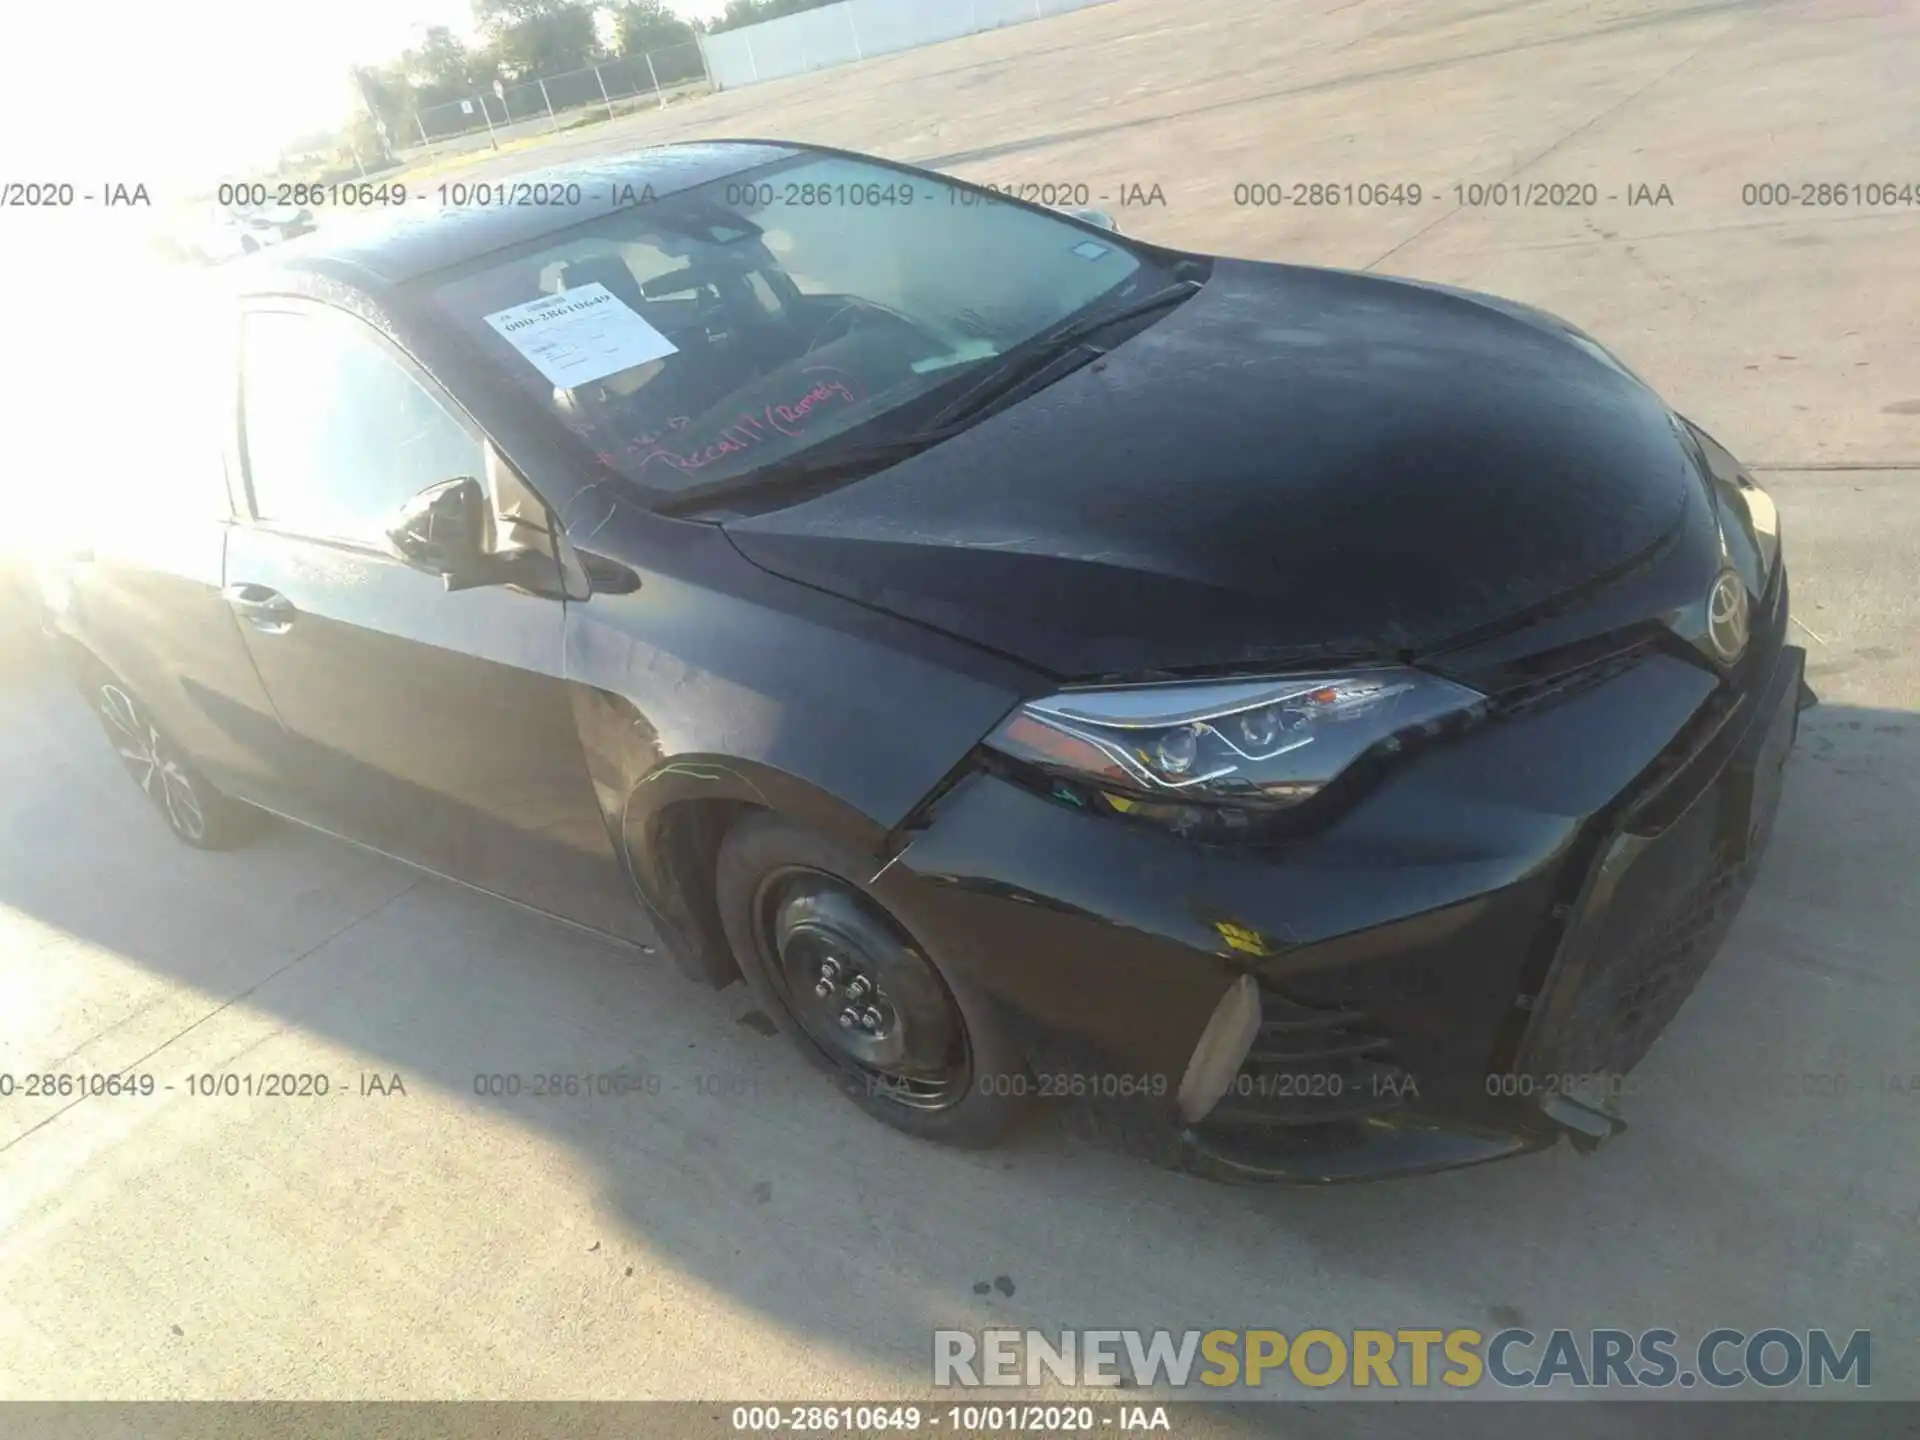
[266,610]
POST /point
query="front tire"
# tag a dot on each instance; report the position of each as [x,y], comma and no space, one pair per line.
[846,978]
[196,812]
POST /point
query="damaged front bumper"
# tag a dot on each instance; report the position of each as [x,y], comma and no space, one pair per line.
[1651,910]
[1457,970]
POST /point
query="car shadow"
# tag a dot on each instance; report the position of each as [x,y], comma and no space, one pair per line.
[732,1162]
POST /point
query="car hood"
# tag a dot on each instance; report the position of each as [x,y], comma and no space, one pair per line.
[1296,465]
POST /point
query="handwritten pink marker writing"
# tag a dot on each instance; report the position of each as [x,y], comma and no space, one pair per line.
[788,417]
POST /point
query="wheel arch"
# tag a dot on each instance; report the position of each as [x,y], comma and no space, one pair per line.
[682,733]
[78,660]
[674,819]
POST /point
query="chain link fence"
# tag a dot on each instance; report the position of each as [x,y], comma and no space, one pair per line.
[556,102]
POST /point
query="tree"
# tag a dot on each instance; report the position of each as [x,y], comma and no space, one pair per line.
[363,140]
[538,37]
[442,66]
[388,95]
[752,12]
[439,60]
[640,25]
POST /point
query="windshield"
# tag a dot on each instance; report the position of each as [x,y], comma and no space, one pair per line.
[711,332]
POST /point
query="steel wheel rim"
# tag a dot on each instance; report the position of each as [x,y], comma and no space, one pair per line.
[906,1041]
[160,773]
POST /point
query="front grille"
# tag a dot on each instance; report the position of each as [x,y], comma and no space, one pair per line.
[1668,881]
[1556,675]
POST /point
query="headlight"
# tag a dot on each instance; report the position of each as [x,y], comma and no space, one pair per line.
[1259,744]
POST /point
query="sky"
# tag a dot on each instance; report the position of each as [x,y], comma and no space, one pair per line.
[174,96]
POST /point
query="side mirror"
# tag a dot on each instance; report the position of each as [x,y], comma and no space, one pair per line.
[443,530]
[1092,217]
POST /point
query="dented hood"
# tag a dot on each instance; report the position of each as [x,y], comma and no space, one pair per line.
[1294,465]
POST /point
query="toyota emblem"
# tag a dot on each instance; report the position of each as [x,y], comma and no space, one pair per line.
[1727,618]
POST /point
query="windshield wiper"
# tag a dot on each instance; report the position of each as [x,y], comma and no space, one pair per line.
[1093,324]
[809,469]
[1033,365]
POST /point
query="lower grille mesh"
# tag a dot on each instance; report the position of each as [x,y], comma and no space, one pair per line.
[1642,961]
[1309,1067]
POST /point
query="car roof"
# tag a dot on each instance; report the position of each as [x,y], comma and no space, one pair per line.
[403,242]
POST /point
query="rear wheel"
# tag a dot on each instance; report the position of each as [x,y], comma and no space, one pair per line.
[845,977]
[197,813]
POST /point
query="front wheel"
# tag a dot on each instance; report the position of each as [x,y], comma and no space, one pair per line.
[846,978]
[197,813]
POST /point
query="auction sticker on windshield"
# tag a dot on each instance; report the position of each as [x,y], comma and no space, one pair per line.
[580,335]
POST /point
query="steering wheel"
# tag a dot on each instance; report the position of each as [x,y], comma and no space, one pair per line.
[843,321]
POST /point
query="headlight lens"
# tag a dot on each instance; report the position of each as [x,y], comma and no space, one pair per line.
[1259,743]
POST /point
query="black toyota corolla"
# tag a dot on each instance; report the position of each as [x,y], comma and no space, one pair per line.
[1317,725]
